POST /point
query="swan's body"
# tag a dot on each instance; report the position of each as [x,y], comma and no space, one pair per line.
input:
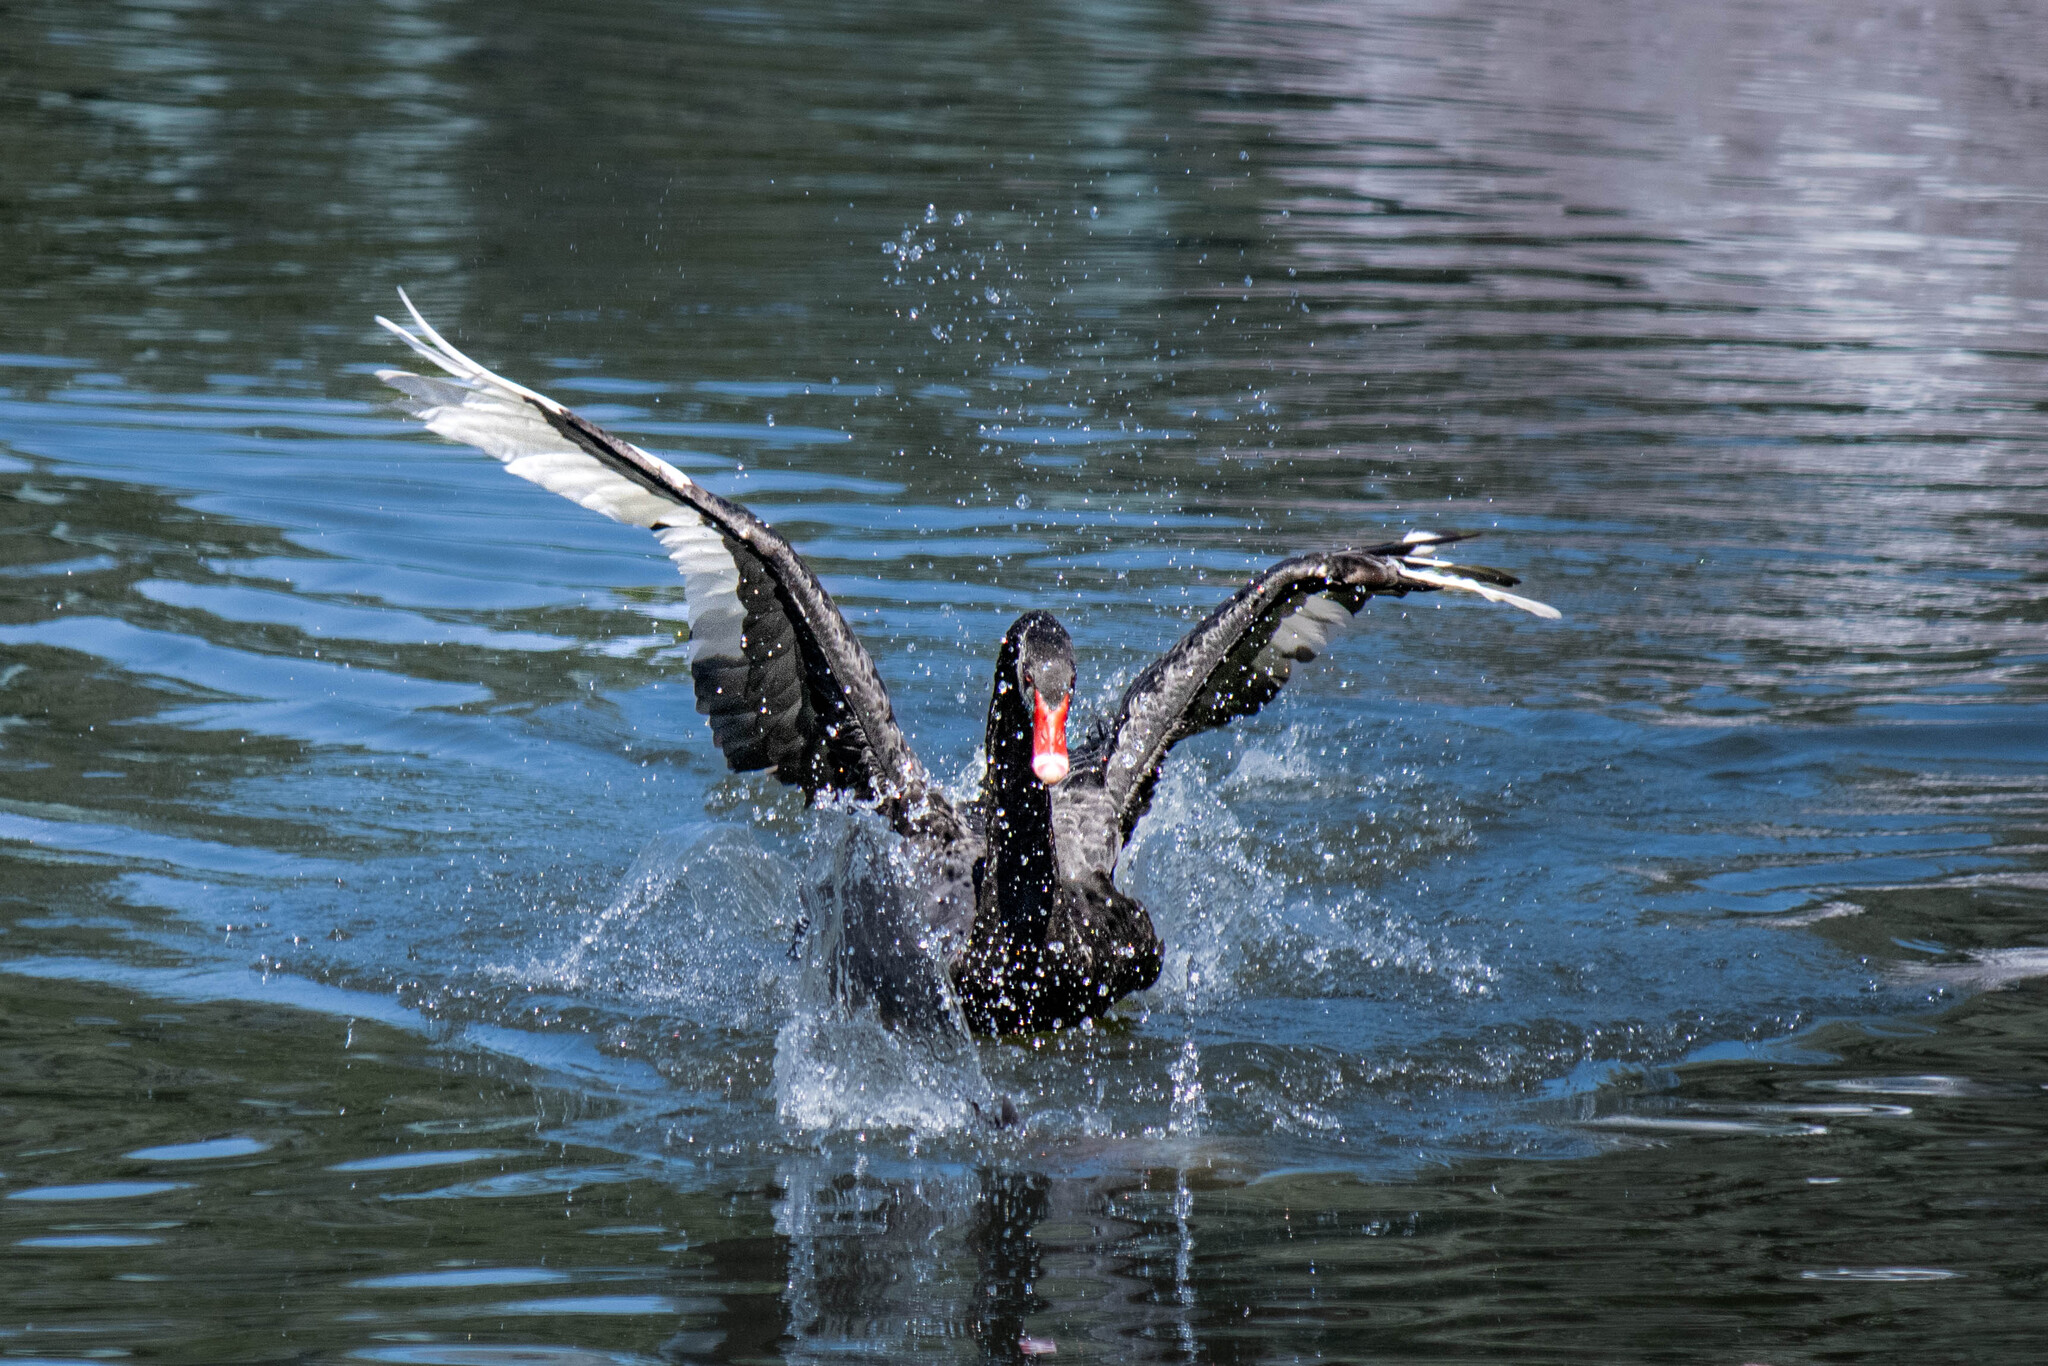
[1014,894]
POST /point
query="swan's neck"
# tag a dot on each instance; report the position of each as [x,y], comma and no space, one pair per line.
[1018,808]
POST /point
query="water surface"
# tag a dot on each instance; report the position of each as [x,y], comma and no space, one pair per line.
[392,972]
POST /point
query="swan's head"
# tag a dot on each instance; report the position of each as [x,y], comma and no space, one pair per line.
[1045,684]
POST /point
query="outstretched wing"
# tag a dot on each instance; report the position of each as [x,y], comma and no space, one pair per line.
[783,680]
[1241,655]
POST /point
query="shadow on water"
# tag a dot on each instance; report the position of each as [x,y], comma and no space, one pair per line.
[390,972]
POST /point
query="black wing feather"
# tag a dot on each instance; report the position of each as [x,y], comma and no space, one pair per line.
[1241,655]
[780,676]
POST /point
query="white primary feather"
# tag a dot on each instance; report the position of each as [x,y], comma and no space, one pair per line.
[1425,567]
[1412,571]
[437,349]
[508,421]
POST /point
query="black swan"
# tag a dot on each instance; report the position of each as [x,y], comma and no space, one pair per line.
[1016,893]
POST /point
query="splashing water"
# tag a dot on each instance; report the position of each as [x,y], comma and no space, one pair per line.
[700,924]
[873,1038]
[1189,1105]
[715,930]
[1246,914]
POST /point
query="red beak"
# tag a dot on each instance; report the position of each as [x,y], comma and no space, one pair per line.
[1049,739]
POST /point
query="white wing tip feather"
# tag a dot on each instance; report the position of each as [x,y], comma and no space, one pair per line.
[1461,584]
[436,348]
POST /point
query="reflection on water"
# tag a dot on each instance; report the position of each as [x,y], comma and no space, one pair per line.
[393,971]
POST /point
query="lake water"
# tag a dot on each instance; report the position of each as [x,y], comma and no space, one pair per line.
[390,971]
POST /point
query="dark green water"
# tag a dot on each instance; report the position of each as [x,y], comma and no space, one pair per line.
[390,972]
